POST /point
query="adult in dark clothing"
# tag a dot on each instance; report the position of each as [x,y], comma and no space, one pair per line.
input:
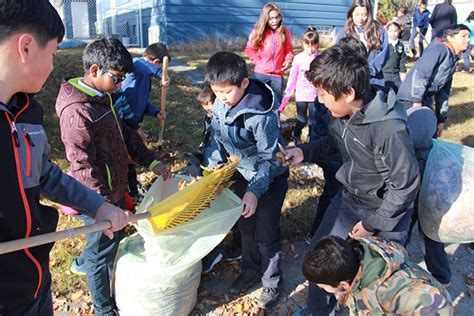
[405,22]
[420,27]
[444,14]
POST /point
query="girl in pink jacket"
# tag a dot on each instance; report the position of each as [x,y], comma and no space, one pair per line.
[305,91]
[270,49]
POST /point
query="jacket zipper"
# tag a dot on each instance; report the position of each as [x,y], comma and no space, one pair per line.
[230,140]
[347,148]
[28,144]
[16,142]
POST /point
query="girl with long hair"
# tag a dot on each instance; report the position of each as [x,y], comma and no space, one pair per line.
[270,49]
[361,25]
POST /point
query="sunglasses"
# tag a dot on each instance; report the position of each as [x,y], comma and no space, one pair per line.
[116,79]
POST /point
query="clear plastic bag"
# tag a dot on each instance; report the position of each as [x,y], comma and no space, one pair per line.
[446,202]
[159,275]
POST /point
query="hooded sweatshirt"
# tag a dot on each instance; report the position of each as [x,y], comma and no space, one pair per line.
[431,75]
[250,131]
[27,173]
[379,168]
[97,142]
[387,283]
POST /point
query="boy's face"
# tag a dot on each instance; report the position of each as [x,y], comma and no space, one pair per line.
[38,63]
[460,41]
[106,80]
[207,107]
[151,60]
[422,8]
[230,94]
[338,108]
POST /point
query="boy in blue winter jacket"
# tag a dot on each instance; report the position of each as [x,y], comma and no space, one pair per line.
[421,21]
[134,103]
[245,124]
[379,172]
[432,75]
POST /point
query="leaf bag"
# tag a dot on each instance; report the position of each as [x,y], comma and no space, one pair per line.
[159,275]
[446,201]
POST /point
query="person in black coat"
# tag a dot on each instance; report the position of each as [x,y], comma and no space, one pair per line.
[444,14]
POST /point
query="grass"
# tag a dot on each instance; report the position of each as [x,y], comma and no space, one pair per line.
[182,134]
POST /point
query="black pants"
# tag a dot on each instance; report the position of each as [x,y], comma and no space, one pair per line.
[392,81]
[260,233]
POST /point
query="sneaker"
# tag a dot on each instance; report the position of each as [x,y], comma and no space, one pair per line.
[233,254]
[268,297]
[77,269]
[210,261]
[308,239]
[242,284]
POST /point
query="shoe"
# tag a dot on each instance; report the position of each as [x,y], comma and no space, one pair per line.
[210,261]
[233,254]
[77,269]
[268,297]
[242,284]
[308,239]
[413,52]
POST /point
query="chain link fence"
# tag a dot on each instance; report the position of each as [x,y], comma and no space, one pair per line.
[128,20]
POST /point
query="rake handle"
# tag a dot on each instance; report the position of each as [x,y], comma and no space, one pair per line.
[164,77]
[19,244]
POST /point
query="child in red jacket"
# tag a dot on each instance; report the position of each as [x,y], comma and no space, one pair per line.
[270,49]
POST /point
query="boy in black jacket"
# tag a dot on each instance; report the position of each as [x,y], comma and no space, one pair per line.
[30,31]
[379,174]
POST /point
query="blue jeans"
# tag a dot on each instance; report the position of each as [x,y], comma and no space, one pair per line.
[413,34]
[343,213]
[466,58]
[275,82]
[98,259]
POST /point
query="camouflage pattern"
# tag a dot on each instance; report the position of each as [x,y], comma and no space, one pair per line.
[388,284]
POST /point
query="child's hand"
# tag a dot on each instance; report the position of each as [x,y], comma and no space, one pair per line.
[161,116]
[250,202]
[358,231]
[165,83]
[403,76]
[163,171]
[440,129]
[117,217]
[143,135]
[286,65]
[293,157]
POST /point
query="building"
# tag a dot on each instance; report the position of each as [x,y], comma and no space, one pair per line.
[79,17]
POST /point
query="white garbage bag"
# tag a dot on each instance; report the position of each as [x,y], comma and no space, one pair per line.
[446,203]
[159,275]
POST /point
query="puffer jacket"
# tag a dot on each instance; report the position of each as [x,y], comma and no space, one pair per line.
[387,283]
[379,167]
[250,131]
[97,142]
[27,173]
[432,75]
[269,55]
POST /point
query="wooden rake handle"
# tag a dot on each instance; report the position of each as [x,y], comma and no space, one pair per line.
[19,244]
[164,77]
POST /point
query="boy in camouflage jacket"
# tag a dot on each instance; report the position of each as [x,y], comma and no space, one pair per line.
[374,277]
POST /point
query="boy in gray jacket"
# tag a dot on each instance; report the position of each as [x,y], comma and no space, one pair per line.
[244,123]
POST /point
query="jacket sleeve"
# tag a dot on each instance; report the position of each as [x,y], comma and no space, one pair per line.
[78,141]
[422,73]
[136,148]
[401,170]
[316,150]
[425,22]
[290,86]
[288,46]
[403,62]
[266,133]
[151,109]
[213,154]
[148,69]
[441,102]
[251,51]
[377,63]
[63,189]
